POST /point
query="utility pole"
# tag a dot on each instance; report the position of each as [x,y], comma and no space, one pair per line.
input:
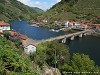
[55,61]
[45,56]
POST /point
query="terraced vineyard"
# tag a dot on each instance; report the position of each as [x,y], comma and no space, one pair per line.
[73,10]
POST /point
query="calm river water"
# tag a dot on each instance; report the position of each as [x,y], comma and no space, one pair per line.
[88,44]
[37,33]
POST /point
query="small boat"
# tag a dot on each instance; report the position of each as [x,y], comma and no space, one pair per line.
[51,30]
[54,30]
[35,25]
[57,30]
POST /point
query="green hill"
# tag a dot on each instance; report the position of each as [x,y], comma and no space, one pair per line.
[73,10]
[15,10]
[38,10]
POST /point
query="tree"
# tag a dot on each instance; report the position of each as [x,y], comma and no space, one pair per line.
[57,52]
[80,63]
[11,63]
[6,34]
[96,21]
[51,52]
[17,41]
[65,0]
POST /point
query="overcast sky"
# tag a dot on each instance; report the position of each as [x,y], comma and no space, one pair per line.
[43,4]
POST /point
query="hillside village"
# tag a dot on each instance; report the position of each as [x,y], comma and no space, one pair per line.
[67,25]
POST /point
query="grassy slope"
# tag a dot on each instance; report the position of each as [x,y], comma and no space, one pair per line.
[60,11]
[88,6]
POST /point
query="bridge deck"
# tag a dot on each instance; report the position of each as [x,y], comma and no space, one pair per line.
[62,36]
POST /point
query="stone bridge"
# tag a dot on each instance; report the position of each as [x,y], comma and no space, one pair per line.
[71,36]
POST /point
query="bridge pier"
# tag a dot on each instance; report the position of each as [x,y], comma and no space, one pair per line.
[64,40]
[80,35]
[85,34]
[72,38]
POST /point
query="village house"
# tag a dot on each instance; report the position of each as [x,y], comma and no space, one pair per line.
[76,25]
[29,46]
[81,26]
[22,37]
[14,34]
[85,26]
[69,24]
[4,26]
[95,25]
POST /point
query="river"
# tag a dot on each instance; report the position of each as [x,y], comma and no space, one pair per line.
[89,45]
[36,33]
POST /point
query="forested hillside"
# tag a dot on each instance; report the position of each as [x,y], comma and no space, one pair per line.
[74,10]
[15,10]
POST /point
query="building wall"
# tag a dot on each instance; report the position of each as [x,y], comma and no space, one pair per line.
[66,24]
[30,49]
[76,24]
[5,27]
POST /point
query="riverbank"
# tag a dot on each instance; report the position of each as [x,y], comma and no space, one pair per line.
[93,32]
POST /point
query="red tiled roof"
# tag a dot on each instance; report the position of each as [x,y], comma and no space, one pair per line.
[4,24]
[23,37]
[28,42]
[72,23]
[85,25]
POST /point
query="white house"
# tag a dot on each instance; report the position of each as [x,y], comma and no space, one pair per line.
[67,24]
[29,46]
[4,26]
[77,25]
